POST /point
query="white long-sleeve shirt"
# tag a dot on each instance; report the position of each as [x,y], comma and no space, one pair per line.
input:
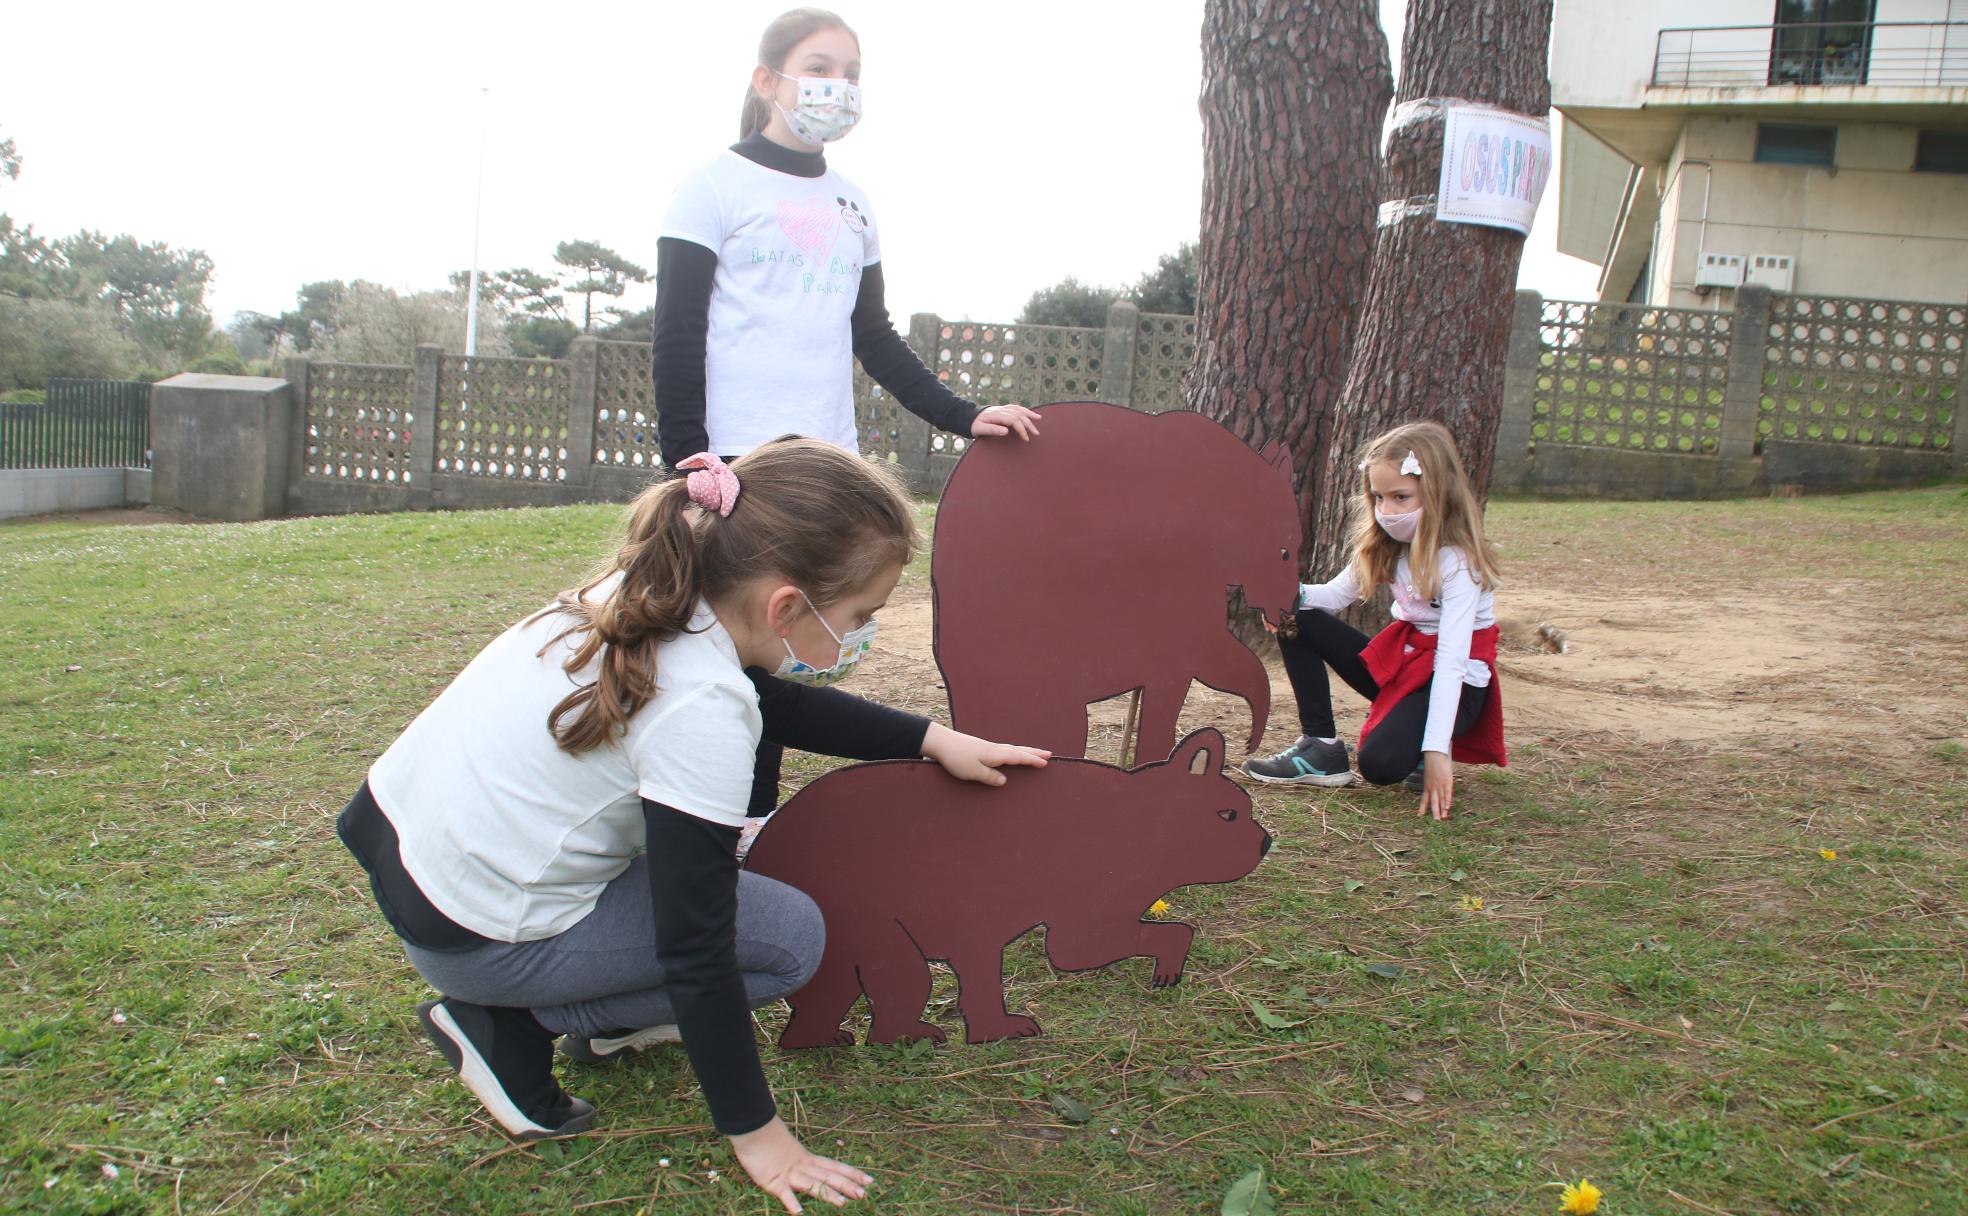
[1461,608]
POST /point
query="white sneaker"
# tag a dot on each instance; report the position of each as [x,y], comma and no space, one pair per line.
[590,1051]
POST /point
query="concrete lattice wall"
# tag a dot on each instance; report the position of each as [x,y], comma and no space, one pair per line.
[1599,399]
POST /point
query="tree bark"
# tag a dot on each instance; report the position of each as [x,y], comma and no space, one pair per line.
[1435,323]
[1292,99]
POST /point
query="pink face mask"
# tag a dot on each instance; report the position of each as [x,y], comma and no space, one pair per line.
[1400,527]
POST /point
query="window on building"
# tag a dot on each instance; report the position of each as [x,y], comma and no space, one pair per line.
[1941,152]
[1784,143]
[1821,42]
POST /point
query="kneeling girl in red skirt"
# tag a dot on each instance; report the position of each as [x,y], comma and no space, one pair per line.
[1431,674]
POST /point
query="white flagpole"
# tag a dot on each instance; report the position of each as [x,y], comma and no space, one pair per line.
[478,210]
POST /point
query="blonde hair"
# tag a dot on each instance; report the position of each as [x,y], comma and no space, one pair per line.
[1450,514]
[780,40]
[819,517]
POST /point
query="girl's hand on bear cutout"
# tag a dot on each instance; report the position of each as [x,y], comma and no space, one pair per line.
[781,1165]
[1437,784]
[1004,420]
[970,758]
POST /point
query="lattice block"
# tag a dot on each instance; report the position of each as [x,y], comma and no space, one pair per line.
[1019,364]
[359,423]
[1871,372]
[1164,346]
[1626,376]
[502,418]
[625,407]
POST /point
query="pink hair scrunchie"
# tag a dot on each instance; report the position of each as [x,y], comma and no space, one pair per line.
[712,485]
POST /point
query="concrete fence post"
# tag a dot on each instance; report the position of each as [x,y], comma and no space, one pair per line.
[1512,466]
[296,371]
[1958,444]
[1742,394]
[1117,353]
[423,417]
[583,400]
[912,439]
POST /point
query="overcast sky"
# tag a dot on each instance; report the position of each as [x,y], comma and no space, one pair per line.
[341,141]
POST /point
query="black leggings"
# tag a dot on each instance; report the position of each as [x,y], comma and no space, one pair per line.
[1393,750]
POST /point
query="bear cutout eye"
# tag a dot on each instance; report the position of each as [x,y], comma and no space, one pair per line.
[1227,816]
[1284,555]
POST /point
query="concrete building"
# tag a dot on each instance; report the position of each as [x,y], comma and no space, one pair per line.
[1815,146]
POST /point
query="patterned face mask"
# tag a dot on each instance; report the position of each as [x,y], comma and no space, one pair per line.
[827,108]
[853,645]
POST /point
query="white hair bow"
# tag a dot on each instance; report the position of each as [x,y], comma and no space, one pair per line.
[1409,466]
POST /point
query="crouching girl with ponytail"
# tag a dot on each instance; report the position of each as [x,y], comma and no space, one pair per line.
[553,838]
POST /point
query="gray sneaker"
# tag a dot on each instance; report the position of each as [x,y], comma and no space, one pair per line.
[1306,762]
[1416,782]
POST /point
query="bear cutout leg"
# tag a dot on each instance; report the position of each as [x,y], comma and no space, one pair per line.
[1084,947]
[898,988]
[980,996]
[820,1008]
[1161,709]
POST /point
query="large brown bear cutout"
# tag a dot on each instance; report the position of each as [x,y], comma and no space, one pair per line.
[1096,560]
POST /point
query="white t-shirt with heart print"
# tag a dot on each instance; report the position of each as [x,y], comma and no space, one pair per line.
[779,354]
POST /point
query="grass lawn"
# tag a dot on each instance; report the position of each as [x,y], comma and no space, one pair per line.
[1621,960]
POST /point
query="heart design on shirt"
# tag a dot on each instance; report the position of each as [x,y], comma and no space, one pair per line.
[811,223]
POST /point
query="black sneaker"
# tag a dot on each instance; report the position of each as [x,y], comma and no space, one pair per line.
[1306,762]
[1417,781]
[505,1058]
[606,1046]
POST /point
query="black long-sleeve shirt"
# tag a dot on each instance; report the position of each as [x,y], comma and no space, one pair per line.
[693,886]
[685,272]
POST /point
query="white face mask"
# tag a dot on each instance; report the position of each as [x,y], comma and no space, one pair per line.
[827,108]
[1400,527]
[853,645]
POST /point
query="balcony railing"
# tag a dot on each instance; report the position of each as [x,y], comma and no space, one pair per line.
[1891,53]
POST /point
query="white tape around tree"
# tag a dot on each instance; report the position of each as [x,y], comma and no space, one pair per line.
[1395,210]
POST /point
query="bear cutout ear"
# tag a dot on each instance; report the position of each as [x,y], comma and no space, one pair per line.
[1277,455]
[1201,752]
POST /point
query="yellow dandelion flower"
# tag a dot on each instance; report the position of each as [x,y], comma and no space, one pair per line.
[1470,903]
[1828,854]
[1158,909]
[1579,1198]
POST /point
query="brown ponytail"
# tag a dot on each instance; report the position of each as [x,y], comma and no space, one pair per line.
[781,39]
[811,513]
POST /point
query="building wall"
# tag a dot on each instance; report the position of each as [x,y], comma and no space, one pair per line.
[1602,52]
[1867,226]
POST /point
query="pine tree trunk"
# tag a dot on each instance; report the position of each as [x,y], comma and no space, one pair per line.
[1435,323]
[1292,101]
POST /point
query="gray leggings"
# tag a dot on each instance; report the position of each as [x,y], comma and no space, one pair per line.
[602,974]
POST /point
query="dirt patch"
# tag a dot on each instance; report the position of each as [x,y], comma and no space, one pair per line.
[1675,664]
[112,516]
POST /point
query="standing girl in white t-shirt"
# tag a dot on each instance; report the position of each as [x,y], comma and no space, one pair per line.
[769,275]
[769,284]
[553,838]
[1431,674]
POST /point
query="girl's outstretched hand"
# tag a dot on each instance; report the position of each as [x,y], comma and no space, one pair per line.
[1004,420]
[973,759]
[1437,784]
[781,1165]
